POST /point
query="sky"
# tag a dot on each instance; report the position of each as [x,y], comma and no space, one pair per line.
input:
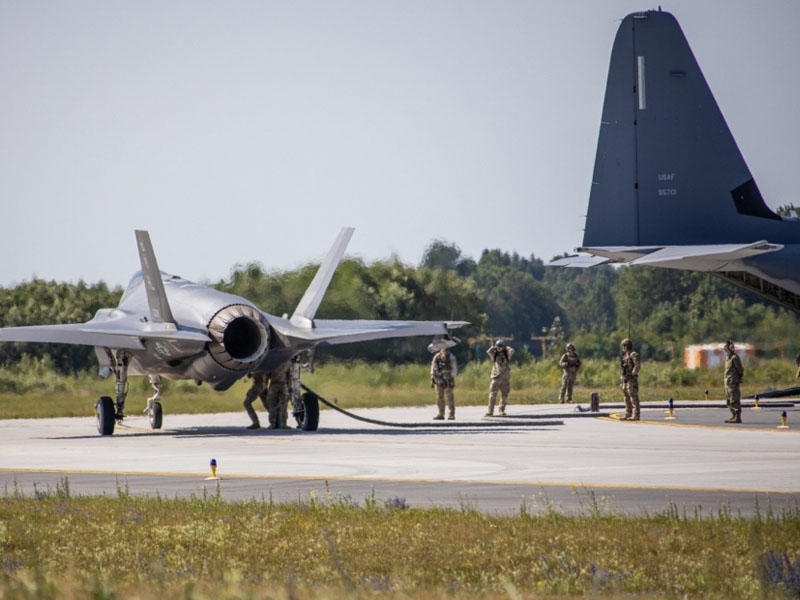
[252,131]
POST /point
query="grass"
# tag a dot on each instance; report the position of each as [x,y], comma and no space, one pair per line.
[35,392]
[54,545]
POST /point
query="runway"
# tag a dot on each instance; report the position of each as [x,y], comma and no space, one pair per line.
[539,458]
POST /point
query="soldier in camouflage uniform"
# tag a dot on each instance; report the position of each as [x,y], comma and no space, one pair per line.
[278,395]
[256,390]
[501,376]
[629,374]
[569,363]
[443,377]
[733,378]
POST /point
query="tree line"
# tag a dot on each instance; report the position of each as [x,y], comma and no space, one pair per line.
[537,308]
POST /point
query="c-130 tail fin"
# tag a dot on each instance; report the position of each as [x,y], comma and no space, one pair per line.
[668,170]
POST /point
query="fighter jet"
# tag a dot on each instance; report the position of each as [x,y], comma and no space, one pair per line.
[166,326]
[670,187]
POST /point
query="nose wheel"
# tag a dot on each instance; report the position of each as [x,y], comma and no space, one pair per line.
[154,411]
[156,415]
[106,415]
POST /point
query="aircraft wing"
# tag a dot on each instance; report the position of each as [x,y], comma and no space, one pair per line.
[336,331]
[106,334]
[707,257]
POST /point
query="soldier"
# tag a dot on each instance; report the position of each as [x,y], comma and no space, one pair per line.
[501,376]
[569,363]
[278,395]
[256,390]
[443,377]
[733,378]
[629,373]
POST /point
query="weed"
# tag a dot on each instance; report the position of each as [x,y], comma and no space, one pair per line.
[322,546]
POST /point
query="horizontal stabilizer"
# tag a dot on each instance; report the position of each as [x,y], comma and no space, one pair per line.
[578,261]
[712,257]
[342,331]
[707,257]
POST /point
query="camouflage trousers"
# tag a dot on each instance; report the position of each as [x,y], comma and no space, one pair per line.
[256,390]
[503,386]
[630,392]
[733,398]
[567,383]
[444,393]
[277,402]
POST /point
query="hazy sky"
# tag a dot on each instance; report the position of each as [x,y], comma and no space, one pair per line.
[252,131]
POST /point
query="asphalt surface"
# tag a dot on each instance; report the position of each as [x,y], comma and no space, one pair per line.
[539,458]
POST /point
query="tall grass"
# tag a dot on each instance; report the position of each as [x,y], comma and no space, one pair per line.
[55,545]
[31,390]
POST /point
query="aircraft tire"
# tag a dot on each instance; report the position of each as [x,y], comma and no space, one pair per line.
[309,420]
[104,408]
[156,416]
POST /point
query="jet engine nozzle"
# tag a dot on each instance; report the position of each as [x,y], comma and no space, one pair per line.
[240,337]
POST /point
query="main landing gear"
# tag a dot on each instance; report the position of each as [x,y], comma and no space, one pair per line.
[305,405]
[109,411]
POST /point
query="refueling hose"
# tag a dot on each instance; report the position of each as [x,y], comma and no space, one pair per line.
[526,421]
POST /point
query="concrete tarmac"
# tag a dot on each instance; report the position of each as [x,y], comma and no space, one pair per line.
[539,458]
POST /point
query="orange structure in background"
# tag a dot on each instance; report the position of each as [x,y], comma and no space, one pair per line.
[710,356]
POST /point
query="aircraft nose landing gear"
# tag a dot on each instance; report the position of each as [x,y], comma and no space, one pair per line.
[153,409]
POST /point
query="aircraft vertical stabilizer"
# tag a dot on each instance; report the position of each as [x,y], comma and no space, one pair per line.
[670,187]
[156,296]
[668,170]
[303,315]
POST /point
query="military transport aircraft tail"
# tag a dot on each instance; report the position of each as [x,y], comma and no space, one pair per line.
[670,187]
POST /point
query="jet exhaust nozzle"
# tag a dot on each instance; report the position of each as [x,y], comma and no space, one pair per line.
[240,337]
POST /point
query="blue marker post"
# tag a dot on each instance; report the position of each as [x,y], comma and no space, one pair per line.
[755,404]
[671,411]
[783,424]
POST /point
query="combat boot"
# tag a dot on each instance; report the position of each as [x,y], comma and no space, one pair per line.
[733,418]
[254,425]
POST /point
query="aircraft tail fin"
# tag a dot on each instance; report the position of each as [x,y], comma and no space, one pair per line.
[160,311]
[668,170]
[303,315]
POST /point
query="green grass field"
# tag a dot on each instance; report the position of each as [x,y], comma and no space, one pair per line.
[58,546]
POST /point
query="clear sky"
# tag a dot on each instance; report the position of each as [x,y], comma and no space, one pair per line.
[239,131]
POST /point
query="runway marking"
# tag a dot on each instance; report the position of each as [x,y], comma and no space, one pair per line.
[573,485]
